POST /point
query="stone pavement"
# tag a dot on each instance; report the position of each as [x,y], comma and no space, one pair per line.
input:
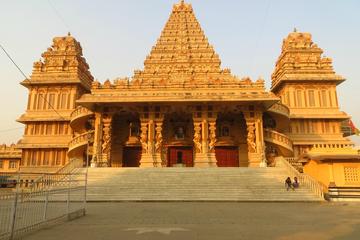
[202,220]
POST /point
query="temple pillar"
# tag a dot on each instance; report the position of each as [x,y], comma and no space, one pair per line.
[105,160]
[204,139]
[151,138]
[255,139]
[147,159]
[98,125]
[158,142]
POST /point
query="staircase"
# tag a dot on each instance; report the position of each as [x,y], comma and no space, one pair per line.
[193,184]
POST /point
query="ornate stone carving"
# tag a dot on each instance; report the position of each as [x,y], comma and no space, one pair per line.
[301,59]
[251,137]
[106,145]
[158,138]
[197,137]
[64,57]
[212,136]
[144,137]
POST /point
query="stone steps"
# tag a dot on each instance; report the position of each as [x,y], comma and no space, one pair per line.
[192,184]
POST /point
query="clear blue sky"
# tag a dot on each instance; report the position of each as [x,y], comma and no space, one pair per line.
[117,35]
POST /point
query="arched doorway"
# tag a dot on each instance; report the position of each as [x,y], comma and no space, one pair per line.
[180,156]
[131,156]
[178,135]
[231,146]
[126,147]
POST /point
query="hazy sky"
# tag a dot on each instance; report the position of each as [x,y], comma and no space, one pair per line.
[117,35]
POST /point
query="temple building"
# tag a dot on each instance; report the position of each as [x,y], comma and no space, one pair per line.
[183,109]
[10,157]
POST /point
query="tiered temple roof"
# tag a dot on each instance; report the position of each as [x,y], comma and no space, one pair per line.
[302,60]
[63,62]
[182,53]
[182,59]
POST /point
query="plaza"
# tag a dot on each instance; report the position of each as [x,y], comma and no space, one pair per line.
[201,220]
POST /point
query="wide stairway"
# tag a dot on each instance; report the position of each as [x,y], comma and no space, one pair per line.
[192,184]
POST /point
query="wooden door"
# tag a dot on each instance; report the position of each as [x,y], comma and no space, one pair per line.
[180,155]
[132,156]
[227,156]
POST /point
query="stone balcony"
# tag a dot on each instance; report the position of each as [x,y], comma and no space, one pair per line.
[281,109]
[79,143]
[279,139]
[79,116]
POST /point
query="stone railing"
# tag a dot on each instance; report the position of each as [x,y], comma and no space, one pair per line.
[280,109]
[304,179]
[78,113]
[295,163]
[335,147]
[278,139]
[81,140]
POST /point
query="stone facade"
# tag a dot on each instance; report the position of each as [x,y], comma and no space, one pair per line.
[10,157]
[182,108]
[57,81]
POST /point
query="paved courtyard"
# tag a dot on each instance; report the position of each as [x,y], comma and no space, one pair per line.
[187,221]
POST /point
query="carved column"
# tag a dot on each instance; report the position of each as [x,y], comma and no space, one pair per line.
[255,138]
[212,139]
[204,139]
[197,137]
[151,140]
[144,143]
[158,142]
[96,156]
[106,140]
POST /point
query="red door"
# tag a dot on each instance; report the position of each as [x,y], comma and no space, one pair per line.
[180,155]
[131,156]
[227,156]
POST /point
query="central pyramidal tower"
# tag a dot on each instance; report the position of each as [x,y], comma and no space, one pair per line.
[182,54]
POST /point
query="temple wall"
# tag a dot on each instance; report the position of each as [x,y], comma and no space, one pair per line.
[342,173]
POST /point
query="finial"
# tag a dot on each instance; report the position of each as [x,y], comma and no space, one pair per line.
[295,30]
[69,34]
[182,1]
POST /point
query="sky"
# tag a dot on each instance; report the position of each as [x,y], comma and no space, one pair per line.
[116,36]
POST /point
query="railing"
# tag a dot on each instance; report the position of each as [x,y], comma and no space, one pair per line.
[77,117]
[278,138]
[329,147]
[47,180]
[81,140]
[79,112]
[295,163]
[280,109]
[304,179]
[25,210]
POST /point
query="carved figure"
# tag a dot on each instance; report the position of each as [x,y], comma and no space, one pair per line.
[180,133]
[197,138]
[106,136]
[213,139]
[144,138]
[251,137]
[106,143]
[158,138]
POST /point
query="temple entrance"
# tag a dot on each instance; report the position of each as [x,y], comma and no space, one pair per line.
[131,156]
[180,155]
[227,156]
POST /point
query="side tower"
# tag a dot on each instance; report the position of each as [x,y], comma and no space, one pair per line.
[306,82]
[57,81]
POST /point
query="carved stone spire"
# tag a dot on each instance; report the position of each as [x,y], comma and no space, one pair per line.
[301,59]
[63,62]
[182,52]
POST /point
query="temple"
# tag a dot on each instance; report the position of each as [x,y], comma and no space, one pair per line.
[184,110]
